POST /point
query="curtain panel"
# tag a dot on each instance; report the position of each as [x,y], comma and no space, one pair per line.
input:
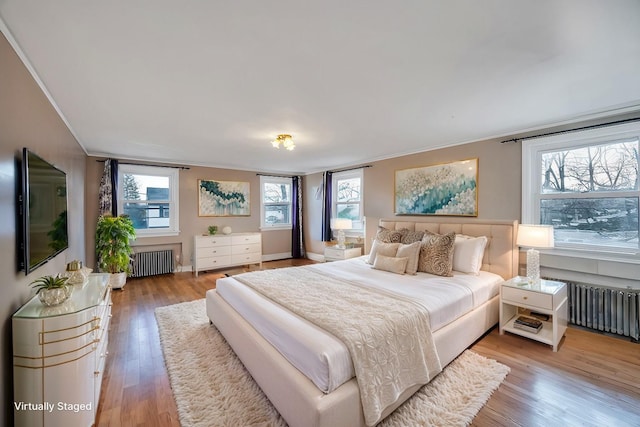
[297,238]
[107,194]
[327,185]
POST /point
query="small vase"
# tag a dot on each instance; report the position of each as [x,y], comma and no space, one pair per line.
[55,296]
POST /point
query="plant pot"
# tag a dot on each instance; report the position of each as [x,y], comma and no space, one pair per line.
[117,280]
[55,296]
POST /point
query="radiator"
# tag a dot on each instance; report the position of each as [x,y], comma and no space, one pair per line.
[151,263]
[608,310]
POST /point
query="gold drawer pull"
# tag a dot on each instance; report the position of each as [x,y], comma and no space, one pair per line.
[525,297]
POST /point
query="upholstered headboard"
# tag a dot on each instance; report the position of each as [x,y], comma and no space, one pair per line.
[501,252]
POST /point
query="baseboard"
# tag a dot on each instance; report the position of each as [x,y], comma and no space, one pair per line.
[184,269]
[276,257]
[315,257]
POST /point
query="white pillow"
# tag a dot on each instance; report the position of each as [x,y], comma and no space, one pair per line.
[412,252]
[468,253]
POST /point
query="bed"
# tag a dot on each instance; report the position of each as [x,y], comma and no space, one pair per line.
[305,400]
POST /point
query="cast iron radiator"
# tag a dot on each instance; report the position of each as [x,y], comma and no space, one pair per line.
[604,309]
[151,263]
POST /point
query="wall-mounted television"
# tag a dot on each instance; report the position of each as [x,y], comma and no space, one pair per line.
[42,211]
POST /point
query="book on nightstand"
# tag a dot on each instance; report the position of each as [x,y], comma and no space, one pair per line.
[529,324]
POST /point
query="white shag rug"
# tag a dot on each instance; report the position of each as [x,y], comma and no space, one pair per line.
[212,388]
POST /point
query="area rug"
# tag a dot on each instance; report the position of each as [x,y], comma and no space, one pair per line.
[212,388]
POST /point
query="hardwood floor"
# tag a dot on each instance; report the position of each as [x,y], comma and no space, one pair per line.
[593,380]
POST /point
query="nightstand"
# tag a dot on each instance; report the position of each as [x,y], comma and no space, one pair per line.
[547,297]
[334,253]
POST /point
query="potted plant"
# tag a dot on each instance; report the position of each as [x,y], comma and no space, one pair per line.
[113,247]
[213,229]
[52,290]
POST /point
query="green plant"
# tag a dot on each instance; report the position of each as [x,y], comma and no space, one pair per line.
[49,282]
[213,229]
[113,243]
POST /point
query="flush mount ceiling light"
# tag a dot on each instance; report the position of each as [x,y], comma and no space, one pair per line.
[285,140]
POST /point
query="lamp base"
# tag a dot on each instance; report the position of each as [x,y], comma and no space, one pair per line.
[341,239]
[533,265]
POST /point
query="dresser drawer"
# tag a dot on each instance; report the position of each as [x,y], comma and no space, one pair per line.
[245,249]
[213,251]
[213,241]
[214,262]
[250,258]
[245,239]
[531,298]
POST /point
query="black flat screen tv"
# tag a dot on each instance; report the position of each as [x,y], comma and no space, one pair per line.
[42,206]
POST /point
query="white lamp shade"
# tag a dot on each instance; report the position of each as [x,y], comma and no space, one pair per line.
[535,236]
[342,224]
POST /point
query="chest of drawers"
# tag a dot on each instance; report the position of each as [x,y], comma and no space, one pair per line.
[213,252]
[59,356]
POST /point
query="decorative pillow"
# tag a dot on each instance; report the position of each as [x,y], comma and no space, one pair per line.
[412,253]
[391,264]
[387,249]
[409,237]
[389,236]
[468,253]
[436,253]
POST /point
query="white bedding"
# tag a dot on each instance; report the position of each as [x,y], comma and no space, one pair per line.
[323,358]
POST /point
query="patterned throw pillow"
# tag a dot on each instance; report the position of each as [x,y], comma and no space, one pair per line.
[412,236]
[388,236]
[436,253]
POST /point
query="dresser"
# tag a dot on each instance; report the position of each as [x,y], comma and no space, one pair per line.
[227,250]
[59,355]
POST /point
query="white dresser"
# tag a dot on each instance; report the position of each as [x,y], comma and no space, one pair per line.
[219,251]
[59,355]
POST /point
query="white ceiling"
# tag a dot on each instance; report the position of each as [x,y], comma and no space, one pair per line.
[204,82]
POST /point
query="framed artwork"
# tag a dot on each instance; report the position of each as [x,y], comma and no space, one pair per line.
[447,189]
[223,198]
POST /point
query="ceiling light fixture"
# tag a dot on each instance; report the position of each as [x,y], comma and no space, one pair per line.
[285,140]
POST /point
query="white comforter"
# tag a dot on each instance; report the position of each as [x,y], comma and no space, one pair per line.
[388,336]
[323,358]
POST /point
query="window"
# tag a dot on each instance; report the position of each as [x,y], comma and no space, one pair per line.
[149,195]
[275,209]
[586,185]
[347,198]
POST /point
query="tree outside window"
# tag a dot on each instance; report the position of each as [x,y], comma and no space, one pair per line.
[587,188]
[276,202]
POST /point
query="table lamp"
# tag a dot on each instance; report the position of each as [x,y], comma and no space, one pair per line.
[534,237]
[341,224]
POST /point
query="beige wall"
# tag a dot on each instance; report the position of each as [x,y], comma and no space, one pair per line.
[273,242]
[499,184]
[27,119]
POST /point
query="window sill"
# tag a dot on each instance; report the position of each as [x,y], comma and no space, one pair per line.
[598,268]
[281,228]
[620,257]
[145,234]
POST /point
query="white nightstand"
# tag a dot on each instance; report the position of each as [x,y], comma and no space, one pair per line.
[334,253]
[546,297]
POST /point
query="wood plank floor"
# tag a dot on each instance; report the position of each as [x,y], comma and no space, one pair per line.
[593,380]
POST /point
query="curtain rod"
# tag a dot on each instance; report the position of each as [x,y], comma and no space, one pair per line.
[571,130]
[143,164]
[351,169]
[275,176]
